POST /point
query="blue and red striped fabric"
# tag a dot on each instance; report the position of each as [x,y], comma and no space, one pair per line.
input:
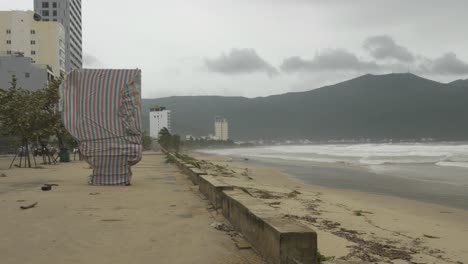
[102,110]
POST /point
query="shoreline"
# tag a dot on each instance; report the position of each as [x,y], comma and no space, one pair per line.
[395,181]
[422,232]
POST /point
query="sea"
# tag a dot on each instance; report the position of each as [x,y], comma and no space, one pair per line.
[427,172]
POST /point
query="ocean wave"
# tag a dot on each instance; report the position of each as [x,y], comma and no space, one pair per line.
[453,164]
[361,154]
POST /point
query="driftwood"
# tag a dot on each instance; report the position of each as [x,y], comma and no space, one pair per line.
[28,206]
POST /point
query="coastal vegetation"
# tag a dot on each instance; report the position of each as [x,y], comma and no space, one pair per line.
[32,117]
[168,141]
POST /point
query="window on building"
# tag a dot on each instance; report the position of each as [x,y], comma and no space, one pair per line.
[45,4]
[54,13]
[33,42]
[26,74]
[33,31]
[8,41]
[33,52]
[55,19]
[54,4]
[45,12]
[8,31]
[45,19]
[8,52]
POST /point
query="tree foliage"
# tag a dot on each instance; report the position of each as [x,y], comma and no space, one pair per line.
[147,141]
[168,141]
[31,116]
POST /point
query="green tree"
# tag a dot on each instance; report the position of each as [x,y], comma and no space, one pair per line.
[164,138]
[175,143]
[147,141]
[168,141]
[31,115]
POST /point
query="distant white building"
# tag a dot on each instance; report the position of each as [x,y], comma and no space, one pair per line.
[221,129]
[160,118]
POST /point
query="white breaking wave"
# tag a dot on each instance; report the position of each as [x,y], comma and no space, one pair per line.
[454,155]
[453,164]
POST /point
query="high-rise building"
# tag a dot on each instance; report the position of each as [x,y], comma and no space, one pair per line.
[221,128]
[68,13]
[160,118]
[22,33]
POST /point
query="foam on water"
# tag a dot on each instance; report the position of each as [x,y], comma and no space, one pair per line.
[447,154]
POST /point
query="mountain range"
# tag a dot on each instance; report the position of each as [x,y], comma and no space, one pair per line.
[375,107]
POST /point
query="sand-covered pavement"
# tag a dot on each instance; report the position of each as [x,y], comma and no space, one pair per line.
[353,225]
[159,219]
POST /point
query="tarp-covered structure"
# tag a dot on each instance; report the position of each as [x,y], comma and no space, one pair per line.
[101,108]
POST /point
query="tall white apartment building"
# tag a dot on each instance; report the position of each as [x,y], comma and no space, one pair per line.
[221,129]
[160,118]
[68,13]
[22,33]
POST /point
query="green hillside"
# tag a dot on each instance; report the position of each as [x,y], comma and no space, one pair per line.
[397,106]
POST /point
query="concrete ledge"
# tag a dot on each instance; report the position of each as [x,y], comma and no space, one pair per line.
[278,240]
[186,168]
[213,189]
[195,174]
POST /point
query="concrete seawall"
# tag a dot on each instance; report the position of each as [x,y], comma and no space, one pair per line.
[278,240]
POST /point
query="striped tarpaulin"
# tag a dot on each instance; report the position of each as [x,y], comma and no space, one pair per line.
[102,110]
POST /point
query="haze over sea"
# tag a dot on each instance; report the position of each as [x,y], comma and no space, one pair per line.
[427,172]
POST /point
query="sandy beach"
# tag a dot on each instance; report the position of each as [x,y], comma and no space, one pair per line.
[161,218]
[353,225]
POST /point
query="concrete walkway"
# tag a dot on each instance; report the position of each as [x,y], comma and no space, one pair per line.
[159,219]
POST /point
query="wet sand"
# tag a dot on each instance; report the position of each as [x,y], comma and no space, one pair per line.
[353,225]
[430,187]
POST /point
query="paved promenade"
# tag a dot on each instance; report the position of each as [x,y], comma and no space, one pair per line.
[159,219]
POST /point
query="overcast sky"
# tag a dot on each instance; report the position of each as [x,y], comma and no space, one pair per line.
[261,47]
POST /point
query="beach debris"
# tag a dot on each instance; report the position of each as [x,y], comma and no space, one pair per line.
[221,226]
[330,224]
[361,212]
[94,193]
[245,172]
[268,195]
[294,194]
[25,207]
[429,236]
[20,201]
[245,190]
[241,243]
[350,231]
[112,220]
[306,218]
[46,188]
[275,204]
[3,175]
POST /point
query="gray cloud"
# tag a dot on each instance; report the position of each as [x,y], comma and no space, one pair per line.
[90,60]
[329,60]
[240,61]
[448,64]
[384,47]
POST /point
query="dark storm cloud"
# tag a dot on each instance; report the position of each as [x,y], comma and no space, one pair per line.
[240,61]
[329,60]
[448,64]
[384,47]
